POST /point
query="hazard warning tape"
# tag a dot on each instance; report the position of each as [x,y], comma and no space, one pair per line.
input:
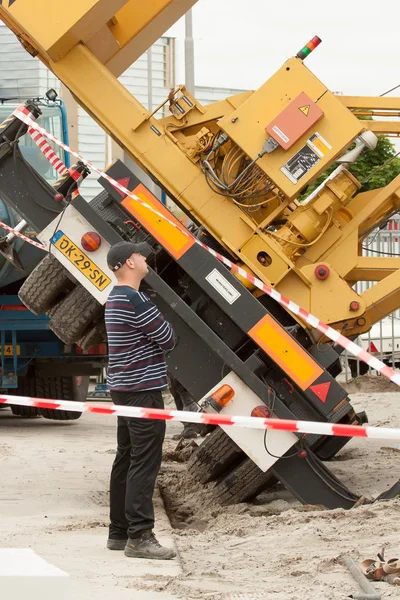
[22,236]
[311,427]
[23,114]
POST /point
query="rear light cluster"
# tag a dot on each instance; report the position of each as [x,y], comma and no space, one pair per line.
[261,411]
[91,241]
[372,348]
[223,395]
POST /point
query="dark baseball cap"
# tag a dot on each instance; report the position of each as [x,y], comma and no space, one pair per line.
[119,253]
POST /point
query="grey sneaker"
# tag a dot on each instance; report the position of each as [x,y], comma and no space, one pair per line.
[147,546]
[116,544]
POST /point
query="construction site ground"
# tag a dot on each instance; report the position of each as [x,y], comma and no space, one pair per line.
[54,499]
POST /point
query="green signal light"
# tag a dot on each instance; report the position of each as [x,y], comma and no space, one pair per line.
[306,51]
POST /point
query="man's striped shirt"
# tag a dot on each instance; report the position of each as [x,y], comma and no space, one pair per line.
[138,335]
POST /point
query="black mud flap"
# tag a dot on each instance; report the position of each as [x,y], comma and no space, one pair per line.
[311,482]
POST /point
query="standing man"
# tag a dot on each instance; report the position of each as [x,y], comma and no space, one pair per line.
[138,335]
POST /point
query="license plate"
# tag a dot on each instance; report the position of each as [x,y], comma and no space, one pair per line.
[80,260]
[8,350]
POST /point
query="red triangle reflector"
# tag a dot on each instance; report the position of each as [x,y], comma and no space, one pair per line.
[125,183]
[372,348]
[321,390]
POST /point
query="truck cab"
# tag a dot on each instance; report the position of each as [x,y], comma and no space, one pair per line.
[34,361]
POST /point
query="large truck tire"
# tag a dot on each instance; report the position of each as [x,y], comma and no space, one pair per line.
[94,336]
[62,388]
[26,387]
[242,484]
[214,456]
[74,315]
[40,290]
[27,412]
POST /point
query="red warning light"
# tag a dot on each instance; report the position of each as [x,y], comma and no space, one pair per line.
[312,44]
[309,47]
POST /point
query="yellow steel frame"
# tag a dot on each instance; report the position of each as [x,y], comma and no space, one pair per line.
[88,43]
[376,106]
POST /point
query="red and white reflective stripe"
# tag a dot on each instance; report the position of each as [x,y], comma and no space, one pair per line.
[42,144]
[51,156]
[75,174]
[47,151]
[22,236]
[316,323]
[382,433]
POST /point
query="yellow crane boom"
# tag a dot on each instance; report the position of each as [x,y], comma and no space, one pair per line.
[230,165]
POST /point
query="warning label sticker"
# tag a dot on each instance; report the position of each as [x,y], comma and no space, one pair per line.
[319,145]
[280,134]
[305,109]
[223,287]
[306,158]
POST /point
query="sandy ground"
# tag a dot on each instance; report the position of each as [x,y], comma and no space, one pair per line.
[53,498]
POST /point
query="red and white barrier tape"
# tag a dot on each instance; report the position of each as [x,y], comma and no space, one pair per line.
[329,332]
[23,237]
[384,433]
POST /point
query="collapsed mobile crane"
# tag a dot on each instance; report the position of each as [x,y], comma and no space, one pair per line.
[236,168]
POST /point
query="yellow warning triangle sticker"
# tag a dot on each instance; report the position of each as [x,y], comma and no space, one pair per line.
[305,109]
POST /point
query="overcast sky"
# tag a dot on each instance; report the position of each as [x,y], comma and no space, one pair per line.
[240,43]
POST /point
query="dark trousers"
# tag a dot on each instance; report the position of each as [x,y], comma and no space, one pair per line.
[136,466]
[182,398]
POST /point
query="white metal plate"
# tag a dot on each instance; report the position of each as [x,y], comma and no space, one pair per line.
[251,441]
[75,226]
